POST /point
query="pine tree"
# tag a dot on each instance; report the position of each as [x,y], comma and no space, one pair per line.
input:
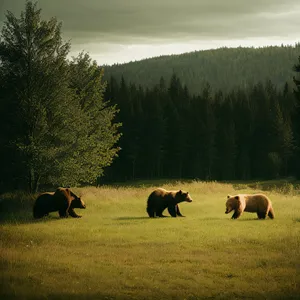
[59,129]
[296,115]
[35,72]
[225,138]
[95,142]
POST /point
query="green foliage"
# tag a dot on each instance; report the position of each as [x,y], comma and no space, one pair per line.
[35,72]
[99,134]
[224,68]
[55,133]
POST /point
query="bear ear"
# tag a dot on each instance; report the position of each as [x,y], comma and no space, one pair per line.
[228,196]
[237,197]
[180,192]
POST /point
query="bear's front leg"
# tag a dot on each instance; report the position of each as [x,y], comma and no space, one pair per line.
[178,213]
[172,210]
[63,211]
[73,214]
[235,215]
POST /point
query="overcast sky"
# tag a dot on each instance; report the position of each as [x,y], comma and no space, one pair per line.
[117,31]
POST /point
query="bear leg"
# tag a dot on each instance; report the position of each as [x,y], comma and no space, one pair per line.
[151,212]
[271,213]
[261,215]
[172,210]
[178,211]
[235,215]
[73,214]
[39,214]
[63,211]
[159,211]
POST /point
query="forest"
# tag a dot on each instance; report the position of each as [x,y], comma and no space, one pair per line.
[223,68]
[72,122]
[244,134]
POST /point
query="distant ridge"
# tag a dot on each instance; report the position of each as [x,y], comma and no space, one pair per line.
[223,68]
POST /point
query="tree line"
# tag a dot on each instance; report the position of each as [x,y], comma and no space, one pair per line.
[246,133]
[224,68]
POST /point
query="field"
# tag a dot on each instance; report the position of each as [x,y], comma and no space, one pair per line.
[116,252]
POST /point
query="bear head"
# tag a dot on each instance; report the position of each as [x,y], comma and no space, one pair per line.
[232,203]
[77,202]
[183,196]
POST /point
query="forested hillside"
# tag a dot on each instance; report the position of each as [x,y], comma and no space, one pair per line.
[224,68]
[246,133]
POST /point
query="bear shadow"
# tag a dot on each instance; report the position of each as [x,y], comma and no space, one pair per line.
[24,218]
[250,219]
[60,296]
[131,218]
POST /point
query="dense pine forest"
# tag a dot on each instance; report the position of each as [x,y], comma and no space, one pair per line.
[224,68]
[233,114]
[246,133]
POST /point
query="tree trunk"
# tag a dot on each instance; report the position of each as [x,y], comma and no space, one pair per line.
[34,181]
[31,179]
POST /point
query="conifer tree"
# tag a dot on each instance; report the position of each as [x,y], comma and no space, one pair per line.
[98,133]
[35,71]
[53,123]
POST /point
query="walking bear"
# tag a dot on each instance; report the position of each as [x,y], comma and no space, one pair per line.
[255,203]
[160,199]
[63,200]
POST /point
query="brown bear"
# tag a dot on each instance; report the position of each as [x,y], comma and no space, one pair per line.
[160,199]
[63,200]
[255,203]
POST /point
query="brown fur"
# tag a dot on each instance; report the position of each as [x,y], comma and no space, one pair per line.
[254,203]
[63,200]
[160,199]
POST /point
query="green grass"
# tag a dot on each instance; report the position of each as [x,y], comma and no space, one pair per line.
[116,252]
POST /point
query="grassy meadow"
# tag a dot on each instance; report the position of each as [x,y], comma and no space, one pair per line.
[115,251]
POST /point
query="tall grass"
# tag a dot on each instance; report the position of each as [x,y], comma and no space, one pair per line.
[116,252]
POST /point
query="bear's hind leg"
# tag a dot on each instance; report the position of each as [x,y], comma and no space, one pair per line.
[62,213]
[151,212]
[159,213]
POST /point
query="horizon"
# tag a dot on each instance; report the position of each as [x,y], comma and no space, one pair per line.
[294,45]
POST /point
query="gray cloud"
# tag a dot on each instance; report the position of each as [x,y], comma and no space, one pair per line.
[165,21]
